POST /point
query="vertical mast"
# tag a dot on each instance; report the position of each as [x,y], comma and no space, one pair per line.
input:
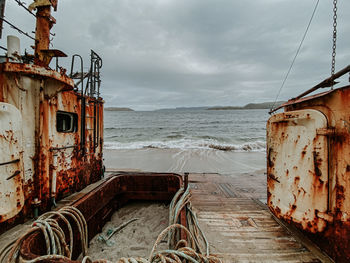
[44,23]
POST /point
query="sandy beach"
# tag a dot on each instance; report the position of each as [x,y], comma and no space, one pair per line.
[188,160]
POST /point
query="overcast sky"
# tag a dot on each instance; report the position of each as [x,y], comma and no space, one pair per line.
[171,53]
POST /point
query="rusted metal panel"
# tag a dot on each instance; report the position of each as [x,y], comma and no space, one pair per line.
[298,168]
[30,69]
[69,169]
[53,163]
[23,93]
[296,101]
[11,162]
[336,107]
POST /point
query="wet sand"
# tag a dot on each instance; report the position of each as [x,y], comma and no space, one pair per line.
[189,160]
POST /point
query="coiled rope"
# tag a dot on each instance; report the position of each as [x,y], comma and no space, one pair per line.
[180,251]
[55,240]
[194,249]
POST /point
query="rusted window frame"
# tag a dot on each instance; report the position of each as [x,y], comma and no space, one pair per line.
[74,124]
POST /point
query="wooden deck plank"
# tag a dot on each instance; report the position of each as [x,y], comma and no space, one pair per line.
[239,228]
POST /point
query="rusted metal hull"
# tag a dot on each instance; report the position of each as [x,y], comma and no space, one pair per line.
[308,168]
[53,163]
[98,205]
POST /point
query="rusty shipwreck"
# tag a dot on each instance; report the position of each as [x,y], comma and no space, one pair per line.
[51,142]
[308,166]
[51,132]
[308,160]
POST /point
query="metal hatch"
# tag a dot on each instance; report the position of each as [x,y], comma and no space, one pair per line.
[11,168]
[297,168]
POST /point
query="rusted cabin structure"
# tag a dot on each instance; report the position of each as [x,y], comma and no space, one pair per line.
[51,128]
[308,166]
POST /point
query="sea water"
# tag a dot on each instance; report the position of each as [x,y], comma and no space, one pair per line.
[229,130]
[222,141]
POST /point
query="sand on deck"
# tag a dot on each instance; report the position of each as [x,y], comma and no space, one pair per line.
[137,238]
[132,242]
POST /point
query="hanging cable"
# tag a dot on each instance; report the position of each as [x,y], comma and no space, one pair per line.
[16,28]
[296,54]
[334,47]
[22,4]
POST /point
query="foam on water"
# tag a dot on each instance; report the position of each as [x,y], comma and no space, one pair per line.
[257,146]
[230,131]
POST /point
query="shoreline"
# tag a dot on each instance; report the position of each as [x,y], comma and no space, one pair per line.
[189,160]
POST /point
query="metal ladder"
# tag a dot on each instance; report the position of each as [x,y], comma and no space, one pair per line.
[92,90]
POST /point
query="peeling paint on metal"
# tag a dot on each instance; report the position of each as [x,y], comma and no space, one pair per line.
[321,189]
[44,92]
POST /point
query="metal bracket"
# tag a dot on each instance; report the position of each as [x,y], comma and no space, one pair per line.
[325,131]
[9,162]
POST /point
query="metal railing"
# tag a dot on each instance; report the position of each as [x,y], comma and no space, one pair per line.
[93,84]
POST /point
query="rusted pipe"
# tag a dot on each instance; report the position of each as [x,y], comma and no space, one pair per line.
[326,83]
[54,180]
[42,34]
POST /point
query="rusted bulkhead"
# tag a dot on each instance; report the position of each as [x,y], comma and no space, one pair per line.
[51,134]
[48,160]
[308,168]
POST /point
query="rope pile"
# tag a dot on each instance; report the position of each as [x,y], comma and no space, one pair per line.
[55,240]
[194,248]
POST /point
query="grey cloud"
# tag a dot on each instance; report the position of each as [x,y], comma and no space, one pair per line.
[168,53]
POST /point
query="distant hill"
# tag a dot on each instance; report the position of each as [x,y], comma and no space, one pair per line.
[183,108]
[225,108]
[118,109]
[250,106]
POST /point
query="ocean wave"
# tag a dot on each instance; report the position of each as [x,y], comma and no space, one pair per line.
[254,146]
[175,136]
[257,146]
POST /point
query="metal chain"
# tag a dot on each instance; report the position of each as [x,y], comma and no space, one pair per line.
[334,36]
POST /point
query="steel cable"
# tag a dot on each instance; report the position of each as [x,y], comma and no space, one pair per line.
[295,57]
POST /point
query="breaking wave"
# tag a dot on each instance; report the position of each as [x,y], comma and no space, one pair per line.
[255,146]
